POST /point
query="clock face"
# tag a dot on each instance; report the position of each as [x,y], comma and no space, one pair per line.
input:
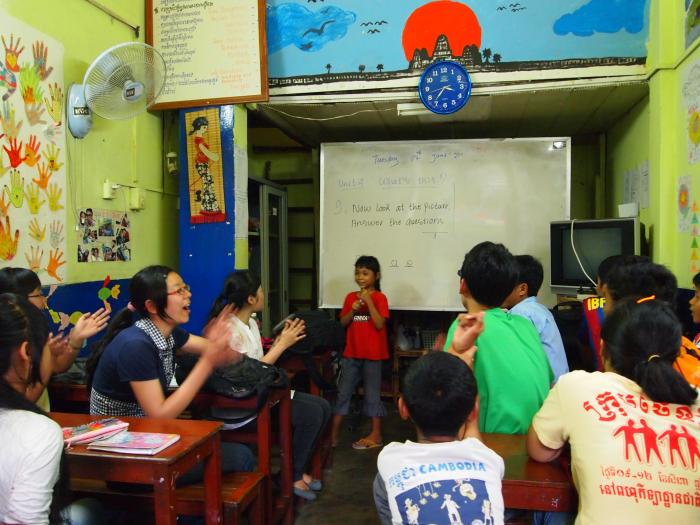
[444,87]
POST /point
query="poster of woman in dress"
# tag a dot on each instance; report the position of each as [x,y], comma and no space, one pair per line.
[206,184]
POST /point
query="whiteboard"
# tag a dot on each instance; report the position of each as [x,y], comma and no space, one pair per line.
[420,206]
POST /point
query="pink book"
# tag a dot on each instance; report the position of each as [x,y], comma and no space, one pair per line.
[94,430]
[135,442]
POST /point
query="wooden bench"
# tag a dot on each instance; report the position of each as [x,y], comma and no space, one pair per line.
[241,492]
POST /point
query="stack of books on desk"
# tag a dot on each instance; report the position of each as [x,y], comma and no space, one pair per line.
[92,431]
[148,443]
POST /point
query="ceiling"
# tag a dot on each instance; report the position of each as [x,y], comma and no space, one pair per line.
[520,111]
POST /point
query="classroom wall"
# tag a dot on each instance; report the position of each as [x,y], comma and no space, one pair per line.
[657,129]
[627,143]
[127,152]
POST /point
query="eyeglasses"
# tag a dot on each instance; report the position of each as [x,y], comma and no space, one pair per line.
[183,290]
[36,295]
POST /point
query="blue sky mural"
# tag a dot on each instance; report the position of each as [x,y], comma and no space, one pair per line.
[305,36]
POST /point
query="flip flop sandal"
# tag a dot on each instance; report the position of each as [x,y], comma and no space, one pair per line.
[364,443]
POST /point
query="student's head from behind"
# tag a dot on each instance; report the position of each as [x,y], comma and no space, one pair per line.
[23,334]
[439,395]
[488,274]
[695,300]
[23,282]
[607,265]
[530,277]
[641,338]
[242,289]
[368,272]
[639,277]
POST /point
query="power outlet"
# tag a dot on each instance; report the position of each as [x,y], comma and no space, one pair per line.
[136,199]
[108,191]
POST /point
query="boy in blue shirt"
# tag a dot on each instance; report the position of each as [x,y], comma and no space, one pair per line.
[523,301]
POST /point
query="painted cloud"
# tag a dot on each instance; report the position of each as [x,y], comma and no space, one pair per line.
[293,24]
[603,16]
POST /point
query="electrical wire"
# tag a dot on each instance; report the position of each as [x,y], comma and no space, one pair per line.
[327,118]
[576,254]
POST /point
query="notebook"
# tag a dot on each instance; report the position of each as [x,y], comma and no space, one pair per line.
[147,443]
[94,430]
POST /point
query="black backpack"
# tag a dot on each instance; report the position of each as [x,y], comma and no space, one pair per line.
[248,377]
[323,334]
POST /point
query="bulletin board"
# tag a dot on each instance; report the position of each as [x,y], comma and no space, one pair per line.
[215,51]
[32,151]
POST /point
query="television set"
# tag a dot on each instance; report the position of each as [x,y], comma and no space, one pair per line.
[592,241]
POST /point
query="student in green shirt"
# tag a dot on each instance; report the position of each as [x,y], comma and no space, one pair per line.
[511,368]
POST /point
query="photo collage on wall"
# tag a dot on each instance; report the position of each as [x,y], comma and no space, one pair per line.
[104,236]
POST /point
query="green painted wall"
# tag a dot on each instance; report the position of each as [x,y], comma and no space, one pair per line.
[656,130]
[127,152]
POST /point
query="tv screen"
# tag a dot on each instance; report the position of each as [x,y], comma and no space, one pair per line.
[594,241]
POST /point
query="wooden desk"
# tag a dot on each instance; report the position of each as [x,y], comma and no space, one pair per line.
[64,394]
[199,441]
[528,484]
[282,509]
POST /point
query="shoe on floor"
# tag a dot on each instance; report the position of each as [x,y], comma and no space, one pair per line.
[308,495]
[364,443]
[315,484]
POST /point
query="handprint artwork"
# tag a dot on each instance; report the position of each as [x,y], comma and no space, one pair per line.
[7,121]
[56,234]
[14,152]
[10,66]
[8,243]
[54,263]
[31,151]
[34,257]
[16,191]
[54,194]
[54,105]
[29,85]
[44,175]
[34,200]
[52,153]
[32,170]
[36,231]
[41,52]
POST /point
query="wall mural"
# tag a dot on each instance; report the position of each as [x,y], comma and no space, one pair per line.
[320,41]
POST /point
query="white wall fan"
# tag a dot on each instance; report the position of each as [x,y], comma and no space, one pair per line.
[123,81]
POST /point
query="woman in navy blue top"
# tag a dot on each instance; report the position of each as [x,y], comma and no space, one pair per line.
[132,366]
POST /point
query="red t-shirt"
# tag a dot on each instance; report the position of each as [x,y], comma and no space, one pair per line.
[363,340]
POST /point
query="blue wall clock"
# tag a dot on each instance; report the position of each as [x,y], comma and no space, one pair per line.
[444,87]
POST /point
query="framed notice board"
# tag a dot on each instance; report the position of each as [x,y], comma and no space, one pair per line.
[215,51]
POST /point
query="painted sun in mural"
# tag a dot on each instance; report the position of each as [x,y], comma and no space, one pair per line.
[455,20]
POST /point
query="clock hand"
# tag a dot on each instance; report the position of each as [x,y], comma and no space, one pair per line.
[442,90]
[448,87]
